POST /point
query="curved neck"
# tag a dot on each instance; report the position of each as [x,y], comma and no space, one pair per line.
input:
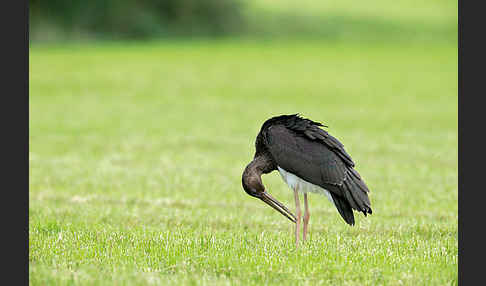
[251,178]
[261,165]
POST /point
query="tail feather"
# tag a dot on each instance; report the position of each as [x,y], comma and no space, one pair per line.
[343,208]
[355,196]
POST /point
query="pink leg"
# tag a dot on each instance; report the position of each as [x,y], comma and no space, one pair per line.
[306,215]
[298,216]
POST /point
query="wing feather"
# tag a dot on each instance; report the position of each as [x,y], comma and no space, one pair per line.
[315,156]
[308,159]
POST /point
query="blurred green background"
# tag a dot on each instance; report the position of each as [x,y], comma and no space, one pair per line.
[374,20]
[143,115]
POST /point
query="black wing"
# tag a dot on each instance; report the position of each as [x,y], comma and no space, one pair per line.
[315,156]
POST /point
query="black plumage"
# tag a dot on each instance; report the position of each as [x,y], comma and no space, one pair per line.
[301,147]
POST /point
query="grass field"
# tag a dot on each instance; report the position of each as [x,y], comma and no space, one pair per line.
[137,150]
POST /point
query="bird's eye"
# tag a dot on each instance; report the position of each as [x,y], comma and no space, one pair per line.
[254,193]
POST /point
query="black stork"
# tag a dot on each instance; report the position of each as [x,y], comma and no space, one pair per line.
[309,159]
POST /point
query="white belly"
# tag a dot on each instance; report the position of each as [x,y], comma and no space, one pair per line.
[302,185]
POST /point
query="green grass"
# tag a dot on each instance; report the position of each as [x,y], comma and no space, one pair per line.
[136,154]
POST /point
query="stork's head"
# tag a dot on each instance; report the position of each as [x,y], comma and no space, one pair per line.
[252,184]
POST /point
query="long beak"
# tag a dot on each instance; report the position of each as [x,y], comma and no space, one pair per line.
[278,206]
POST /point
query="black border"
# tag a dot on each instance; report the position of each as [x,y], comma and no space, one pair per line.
[471,78]
[14,23]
